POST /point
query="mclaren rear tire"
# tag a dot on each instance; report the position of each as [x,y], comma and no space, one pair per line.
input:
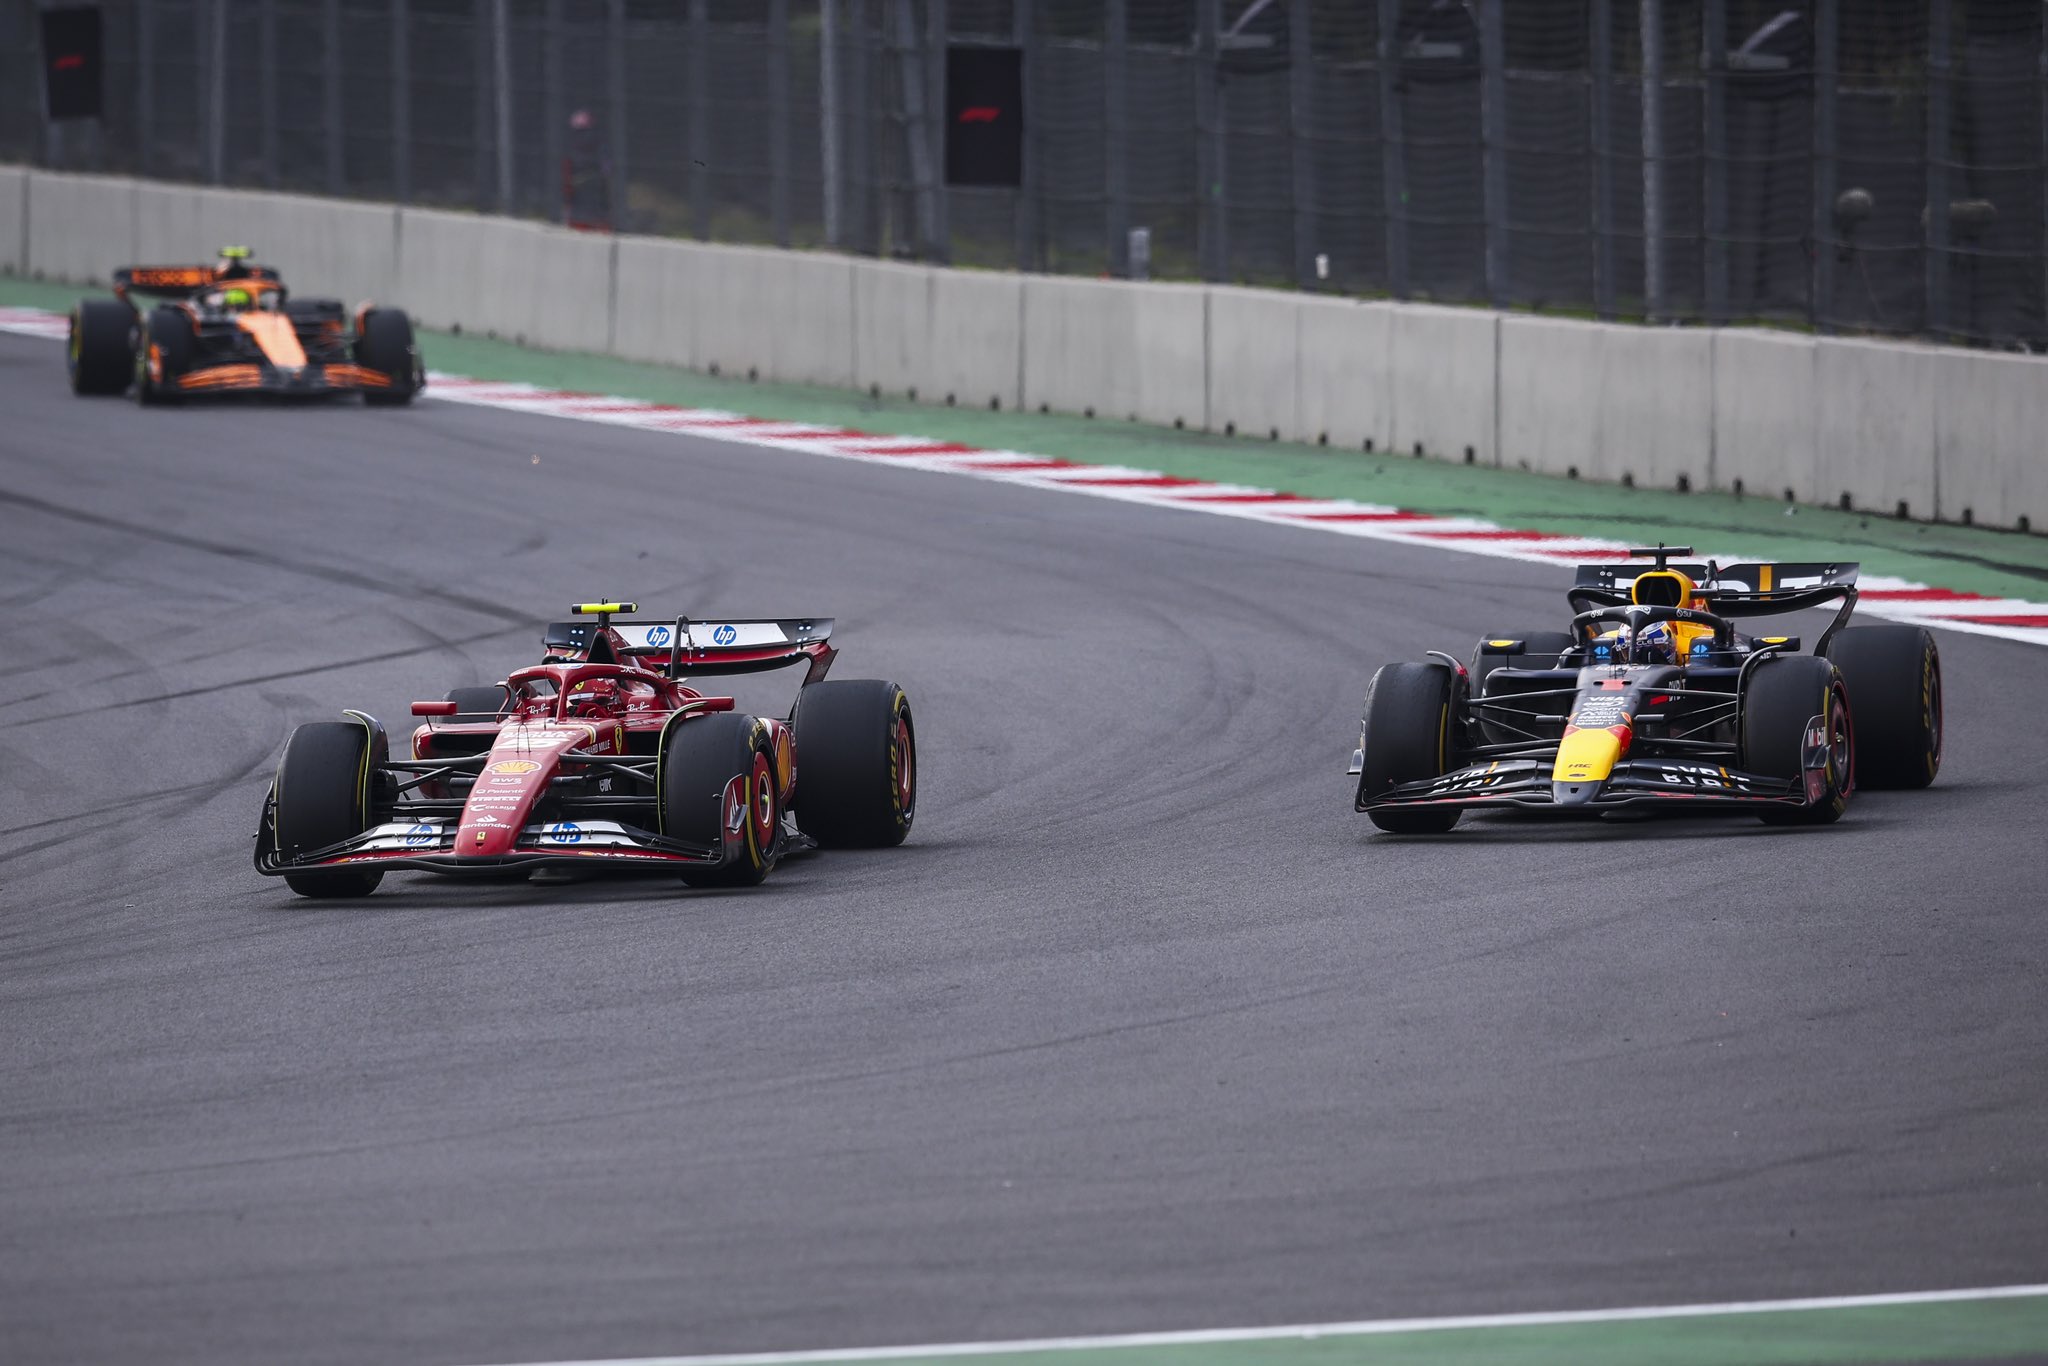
[1407,737]
[321,797]
[700,756]
[386,346]
[101,357]
[856,764]
[1782,697]
[1893,674]
[165,354]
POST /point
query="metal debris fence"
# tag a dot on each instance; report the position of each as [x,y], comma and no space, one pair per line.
[1865,167]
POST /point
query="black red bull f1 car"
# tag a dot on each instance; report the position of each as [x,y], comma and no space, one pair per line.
[1652,698]
[232,328]
[602,756]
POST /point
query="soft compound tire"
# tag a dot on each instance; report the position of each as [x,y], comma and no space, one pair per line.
[101,357]
[1782,695]
[386,346]
[1407,737]
[699,756]
[856,764]
[1893,674]
[321,796]
[169,331]
[477,704]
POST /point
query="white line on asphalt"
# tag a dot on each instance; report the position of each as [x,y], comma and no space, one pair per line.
[1308,1332]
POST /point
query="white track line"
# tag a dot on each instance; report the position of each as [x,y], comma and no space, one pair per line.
[1314,1331]
[1895,599]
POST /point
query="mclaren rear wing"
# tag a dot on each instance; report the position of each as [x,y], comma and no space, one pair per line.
[725,646]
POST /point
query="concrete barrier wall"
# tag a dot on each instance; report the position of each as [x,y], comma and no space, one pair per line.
[1950,434]
[14,219]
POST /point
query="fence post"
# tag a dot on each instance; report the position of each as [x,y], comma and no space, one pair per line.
[699,64]
[615,113]
[829,146]
[1301,111]
[216,91]
[1714,164]
[1210,229]
[778,121]
[202,84]
[401,100]
[554,112]
[501,99]
[1935,236]
[1026,36]
[330,93]
[1116,136]
[917,126]
[935,19]
[1653,157]
[1393,149]
[1826,31]
[480,104]
[1600,110]
[1493,136]
[266,90]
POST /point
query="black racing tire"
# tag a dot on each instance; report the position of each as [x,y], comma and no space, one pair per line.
[321,797]
[101,357]
[386,346]
[169,332]
[1409,724]
[1893,674]
[699,756]
[478,704]
[856,764]
[1781,696]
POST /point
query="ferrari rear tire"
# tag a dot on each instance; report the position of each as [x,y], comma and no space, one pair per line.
[321,798]
[700,756]
[1893,674]
[1782,696]
[165,353]
[1407,737]
[856,764]
[386,346]
[101,357]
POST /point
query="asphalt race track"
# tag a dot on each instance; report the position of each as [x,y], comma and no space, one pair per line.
[1142,1030]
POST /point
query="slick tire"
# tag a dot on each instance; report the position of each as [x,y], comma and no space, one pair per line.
[477,704]
[321,796]
[856,764]
[700,756]
[167,333]
[1782,695]
[1893,674]
[386,345]
[101,357]
[1409,716]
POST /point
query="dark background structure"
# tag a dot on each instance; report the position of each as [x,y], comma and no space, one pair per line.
[1868,166]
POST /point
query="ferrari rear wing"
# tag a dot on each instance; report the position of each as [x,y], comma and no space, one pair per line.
[729,645]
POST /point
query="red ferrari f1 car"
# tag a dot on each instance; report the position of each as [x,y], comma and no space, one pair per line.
[1652,698]
[602,756]
[231,328]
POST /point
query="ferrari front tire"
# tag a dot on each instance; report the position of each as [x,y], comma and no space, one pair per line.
[856,764]
[101,357]
[320,799]
[700,758]
[1407,736]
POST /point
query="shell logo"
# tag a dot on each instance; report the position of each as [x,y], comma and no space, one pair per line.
[515,767]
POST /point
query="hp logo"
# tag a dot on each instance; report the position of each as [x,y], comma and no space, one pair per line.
[725,635]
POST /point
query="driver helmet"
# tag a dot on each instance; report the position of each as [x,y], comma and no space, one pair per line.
[234,299]
[1656,643]
[594,697]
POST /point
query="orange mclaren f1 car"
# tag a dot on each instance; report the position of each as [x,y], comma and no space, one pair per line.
[231,327]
